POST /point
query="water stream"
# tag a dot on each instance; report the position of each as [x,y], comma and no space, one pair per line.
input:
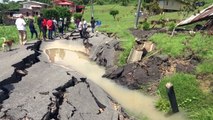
[133,101]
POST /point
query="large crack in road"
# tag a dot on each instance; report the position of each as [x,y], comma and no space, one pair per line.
[39,90]
[20,70]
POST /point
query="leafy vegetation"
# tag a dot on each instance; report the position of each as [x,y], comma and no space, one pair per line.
[146,26]
[49,13]
[57,12]
[170,45]
[114,13]
[77,16]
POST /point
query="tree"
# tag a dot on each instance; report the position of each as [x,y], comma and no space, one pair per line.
[57,12]
[50,13]
[63,12]
[114,13]
[5,1]
[124,2]
[77,16]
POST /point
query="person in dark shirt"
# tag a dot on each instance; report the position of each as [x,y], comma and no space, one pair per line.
[61,27]
[39,23]
[44,28]
[32,29]
[92,24]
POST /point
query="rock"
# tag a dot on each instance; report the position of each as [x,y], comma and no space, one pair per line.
[114,74]
[105,53]
[164,58]
[140,75]
[129,68]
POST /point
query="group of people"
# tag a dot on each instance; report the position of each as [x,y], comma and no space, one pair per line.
[51,26]
[81,25]
[45,25]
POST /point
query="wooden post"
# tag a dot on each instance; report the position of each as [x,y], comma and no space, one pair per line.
[92,9]
[172,97]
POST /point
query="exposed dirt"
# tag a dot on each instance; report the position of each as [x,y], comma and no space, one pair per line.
[151,68]
[206,83]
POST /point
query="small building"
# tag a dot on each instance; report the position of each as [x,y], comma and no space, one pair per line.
[31,8]
[171,5]
[205,15]
[69,4]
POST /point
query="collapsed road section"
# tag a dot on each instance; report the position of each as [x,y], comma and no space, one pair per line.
[35,89]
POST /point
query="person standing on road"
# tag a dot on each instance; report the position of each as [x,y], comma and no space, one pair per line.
[92,24]
[80,28]
[32,29]
[55,27]
[44,28]
[21,26]
[39,23]
[50,29]
[84,28]
[61,27]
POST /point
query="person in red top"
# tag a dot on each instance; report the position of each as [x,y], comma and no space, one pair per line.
[44,28]
[50,29]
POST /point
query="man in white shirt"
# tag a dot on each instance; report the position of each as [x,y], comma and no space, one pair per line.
[21,26]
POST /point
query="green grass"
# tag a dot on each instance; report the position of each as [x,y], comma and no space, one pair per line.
[197,104]
[172,46]
[124,20]
[185,88]
[11,32]
[167,15]
[206,67]
[202,46]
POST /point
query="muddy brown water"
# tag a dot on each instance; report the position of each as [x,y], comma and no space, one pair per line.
[133,101]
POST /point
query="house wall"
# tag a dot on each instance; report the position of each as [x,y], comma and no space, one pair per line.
[170,5]
[28,4]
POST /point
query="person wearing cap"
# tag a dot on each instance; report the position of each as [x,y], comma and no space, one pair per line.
[21,26]
[61,27]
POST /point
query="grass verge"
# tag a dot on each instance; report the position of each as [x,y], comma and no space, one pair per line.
[11,32]
[197,104]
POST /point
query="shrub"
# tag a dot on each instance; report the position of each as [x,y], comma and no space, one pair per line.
[146,26]
[49,13]
[100,2]
[124,2]
[63,12]
[77,16]
[171,26]
[114,13]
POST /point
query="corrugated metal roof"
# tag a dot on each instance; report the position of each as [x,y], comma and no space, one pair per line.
[204,14]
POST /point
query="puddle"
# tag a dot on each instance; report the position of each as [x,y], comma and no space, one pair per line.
[131,100]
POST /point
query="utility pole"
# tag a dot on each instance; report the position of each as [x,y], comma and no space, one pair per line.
[92,10]
[138,13]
